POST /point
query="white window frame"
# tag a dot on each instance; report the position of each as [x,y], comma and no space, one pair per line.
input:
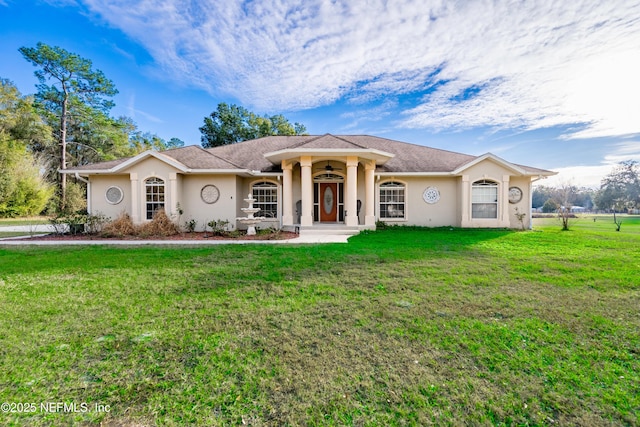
[266,193]
[154,196]
[392,206]
[484,199]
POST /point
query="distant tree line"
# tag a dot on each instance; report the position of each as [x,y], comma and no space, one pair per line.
[67,123]
[619,192]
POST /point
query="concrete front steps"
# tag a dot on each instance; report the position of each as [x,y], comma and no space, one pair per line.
[325,229]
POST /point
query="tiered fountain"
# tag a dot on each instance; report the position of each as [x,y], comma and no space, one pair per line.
[250,220]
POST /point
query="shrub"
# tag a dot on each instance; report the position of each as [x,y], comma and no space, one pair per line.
[218,227]
[271,233]
[95,223]
[160,225]
[190,225]
[120,227]
[72,223]
[381,225]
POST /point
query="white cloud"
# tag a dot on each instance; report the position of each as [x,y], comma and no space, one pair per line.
[530,64]
[62,2]
[583,176]
[133,112]
[592,175]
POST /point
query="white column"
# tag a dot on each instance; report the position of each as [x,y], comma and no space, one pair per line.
[287,192]
[530,205]
[135,198]
[352,191]
[172,199]
[89,204]
[307,192]
[466,202]
[504,199]
[370,194]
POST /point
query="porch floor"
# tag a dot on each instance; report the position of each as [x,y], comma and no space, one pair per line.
[325,228]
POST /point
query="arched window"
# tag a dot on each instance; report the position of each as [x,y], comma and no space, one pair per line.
[392,200]
[154,190]
[484,199]
[266,195]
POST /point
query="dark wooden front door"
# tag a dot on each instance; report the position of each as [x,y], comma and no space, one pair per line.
[328,202]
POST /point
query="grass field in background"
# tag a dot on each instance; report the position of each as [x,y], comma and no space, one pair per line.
[593,222]
[34,220]
[404,326]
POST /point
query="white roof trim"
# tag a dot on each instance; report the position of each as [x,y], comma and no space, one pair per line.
[132,161]
[494,158]
[442,174]
[244,172]
[149,153]
[379,156]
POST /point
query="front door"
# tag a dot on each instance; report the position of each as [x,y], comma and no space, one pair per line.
[328,202]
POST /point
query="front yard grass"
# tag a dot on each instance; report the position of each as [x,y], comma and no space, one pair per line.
[404,326]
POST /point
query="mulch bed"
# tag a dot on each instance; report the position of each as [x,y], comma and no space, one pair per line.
[282,235]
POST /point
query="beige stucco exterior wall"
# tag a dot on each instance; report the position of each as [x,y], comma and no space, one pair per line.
[99,204]
[505,178]
[418,212]
[196,209]
[524,205]
[139,173]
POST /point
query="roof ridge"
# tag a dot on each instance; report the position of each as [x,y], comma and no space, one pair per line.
[306,141]
[317,137]
[153,153]
[344,138]
[201,149]
[423,146]
[220,157]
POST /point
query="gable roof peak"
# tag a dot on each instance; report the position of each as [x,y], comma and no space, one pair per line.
[328,141]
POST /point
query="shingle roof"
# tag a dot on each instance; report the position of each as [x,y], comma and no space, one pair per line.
[408,157]
[249,155]
[100,166]
[195,157]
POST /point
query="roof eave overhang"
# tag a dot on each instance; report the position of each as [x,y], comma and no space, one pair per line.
[491,157]
[85,172]
[240,172]
[538,175]
[142,156]
[433,174]
[119,168]
[380,157]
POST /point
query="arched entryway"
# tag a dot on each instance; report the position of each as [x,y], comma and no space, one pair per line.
[328,197]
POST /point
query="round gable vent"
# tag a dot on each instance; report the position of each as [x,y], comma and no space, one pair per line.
[431,195]
[114,195]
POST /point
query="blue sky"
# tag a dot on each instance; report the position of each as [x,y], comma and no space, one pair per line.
[555,86]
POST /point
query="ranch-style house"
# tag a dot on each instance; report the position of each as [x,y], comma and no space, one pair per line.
[314,182]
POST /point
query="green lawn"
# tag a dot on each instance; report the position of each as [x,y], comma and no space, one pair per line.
[398,327]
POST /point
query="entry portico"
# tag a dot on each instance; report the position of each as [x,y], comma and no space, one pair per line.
[326,193]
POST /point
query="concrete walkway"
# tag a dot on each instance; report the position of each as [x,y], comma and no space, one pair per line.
[36,228]
[11,241]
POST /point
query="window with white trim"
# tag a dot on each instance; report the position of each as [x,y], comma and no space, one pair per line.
[154,190]
[392,200]
[266,198]
[484,199]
